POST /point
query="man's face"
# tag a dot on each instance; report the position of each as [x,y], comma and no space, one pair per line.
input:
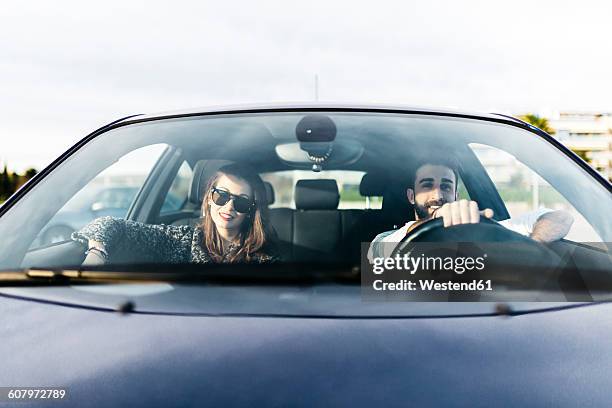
[434,186]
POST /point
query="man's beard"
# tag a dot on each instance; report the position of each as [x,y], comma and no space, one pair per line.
[422,211]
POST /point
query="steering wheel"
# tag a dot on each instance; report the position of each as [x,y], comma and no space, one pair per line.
[484,231]
[508,253]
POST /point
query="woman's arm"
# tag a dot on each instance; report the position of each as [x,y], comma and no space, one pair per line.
[142,242]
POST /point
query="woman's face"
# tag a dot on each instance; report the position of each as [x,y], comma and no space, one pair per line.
[225,216]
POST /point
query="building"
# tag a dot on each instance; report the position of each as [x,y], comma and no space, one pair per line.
[589,134]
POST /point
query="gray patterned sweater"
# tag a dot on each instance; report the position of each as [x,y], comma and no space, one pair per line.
[153,243]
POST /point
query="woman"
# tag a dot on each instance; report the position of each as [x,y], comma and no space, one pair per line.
[234,228]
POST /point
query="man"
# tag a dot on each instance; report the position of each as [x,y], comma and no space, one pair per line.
[433,193]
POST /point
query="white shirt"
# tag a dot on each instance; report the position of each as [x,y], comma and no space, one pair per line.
[523,224]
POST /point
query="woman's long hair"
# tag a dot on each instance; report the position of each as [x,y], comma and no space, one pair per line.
[256,236]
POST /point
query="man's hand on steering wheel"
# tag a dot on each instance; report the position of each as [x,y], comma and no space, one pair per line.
[462,212]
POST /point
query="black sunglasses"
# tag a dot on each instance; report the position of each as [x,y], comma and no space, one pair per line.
[241,204]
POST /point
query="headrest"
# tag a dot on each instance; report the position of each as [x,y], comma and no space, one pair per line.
[396,209]
[371,186]
[319,194]
[203,171]
[269,192]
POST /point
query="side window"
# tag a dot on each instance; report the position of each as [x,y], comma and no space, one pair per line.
[462,193]
[177,194]
[524,191]
[111,193]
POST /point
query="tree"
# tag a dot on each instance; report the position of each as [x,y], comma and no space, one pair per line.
[5,183]
[11,182]
[29,173]
[22,179]
[539,122]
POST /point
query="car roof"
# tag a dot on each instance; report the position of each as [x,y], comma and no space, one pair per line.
[327,106]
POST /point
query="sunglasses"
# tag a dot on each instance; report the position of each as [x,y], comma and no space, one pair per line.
[241,204]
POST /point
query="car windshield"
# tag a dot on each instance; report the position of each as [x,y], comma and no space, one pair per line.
[319,184]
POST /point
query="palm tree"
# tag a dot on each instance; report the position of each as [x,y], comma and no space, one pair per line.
[543,124]
[537,121]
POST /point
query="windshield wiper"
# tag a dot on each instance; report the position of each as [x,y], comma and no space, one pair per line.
[218,273]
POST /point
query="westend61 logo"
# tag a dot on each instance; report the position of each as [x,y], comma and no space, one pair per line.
[483,272]
[411,264]
[430,270]
[431,264]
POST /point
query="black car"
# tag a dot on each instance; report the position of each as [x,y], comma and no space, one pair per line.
[305,330]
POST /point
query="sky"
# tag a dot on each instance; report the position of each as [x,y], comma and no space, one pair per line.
[69,67]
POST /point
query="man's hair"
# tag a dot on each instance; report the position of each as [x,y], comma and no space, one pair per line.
[449,162]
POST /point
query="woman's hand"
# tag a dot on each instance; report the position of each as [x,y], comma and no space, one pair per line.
[96,253]
[95,244]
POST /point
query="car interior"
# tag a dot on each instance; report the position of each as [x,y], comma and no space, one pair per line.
[316,228]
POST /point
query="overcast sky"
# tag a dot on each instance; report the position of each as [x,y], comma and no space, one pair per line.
[67,68]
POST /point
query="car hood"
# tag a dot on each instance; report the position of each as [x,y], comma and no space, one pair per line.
[327,300]
[557,358]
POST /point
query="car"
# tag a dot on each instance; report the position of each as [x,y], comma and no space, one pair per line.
[90,203]
[309,329]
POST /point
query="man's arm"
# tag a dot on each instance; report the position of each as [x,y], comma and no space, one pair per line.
[548,226]
[382,244]
[552,226]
